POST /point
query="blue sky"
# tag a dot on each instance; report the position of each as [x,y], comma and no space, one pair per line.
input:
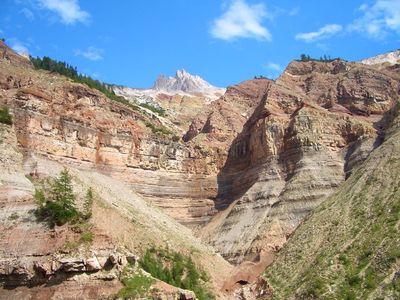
[225,42]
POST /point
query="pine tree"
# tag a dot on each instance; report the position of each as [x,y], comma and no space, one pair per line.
[87,205]
[57,203]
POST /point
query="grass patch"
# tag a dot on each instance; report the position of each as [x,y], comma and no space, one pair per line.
[87,237]
[135,284]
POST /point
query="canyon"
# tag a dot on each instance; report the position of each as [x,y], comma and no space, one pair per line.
[228,175]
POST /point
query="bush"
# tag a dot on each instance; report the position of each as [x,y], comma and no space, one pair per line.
[134,287]
[87,237]
[57,201]
[5,116]
[177,270]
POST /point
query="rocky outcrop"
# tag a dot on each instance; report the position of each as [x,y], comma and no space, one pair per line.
[294,151]
[219,123]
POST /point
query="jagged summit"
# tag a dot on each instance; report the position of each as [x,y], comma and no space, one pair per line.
[184,82]
[391,58]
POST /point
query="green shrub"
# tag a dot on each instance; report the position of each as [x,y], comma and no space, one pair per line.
[56,202]
[315,289]
[5,116]
[177,270]
[87,237]
[134,287]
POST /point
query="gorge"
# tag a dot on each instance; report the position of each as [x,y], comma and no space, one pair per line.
[229,177]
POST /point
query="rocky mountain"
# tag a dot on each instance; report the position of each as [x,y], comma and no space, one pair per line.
[313,125]
[184,82]
[348,248]
[124,155]
[389,58]
[228,181]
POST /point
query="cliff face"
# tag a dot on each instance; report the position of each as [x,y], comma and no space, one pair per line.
[71,123]
[107,147]
[250,167]
[39,262]
[314,124]
[348,247]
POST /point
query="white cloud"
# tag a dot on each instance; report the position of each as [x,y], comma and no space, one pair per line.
[91,53]
[27,13]
[273,66]
[378,19]
[69,10]
[323,33]
[242,20]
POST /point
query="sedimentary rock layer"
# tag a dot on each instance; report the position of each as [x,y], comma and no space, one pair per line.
[314,124]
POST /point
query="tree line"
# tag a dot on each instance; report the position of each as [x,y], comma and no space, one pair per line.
[324,58]
[62,68]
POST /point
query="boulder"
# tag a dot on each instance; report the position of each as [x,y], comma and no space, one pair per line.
[41,268]
[186,295]
[72,265]
[92,264]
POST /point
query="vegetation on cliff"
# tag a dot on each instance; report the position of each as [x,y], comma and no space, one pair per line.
[56,201]
[63,68]
[349,247]
[324,58]
[176,269]
[135,285]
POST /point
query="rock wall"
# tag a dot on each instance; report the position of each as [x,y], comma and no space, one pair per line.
[76,125]
[314,124]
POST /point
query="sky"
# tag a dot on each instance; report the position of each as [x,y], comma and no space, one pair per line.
[132,42]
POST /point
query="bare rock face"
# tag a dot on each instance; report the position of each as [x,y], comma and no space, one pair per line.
[314,124]
[219,123]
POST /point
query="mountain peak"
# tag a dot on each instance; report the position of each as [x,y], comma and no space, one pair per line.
[182,73]
[391,58]
[184,82]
